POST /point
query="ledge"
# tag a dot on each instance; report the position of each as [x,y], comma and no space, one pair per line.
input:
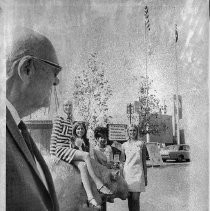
[39,124]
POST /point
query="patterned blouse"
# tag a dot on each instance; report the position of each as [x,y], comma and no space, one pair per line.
[62,141]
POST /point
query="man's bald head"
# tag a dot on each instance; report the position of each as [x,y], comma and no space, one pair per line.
[32,70]
[26,42]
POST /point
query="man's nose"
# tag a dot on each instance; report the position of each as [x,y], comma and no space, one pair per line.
[56,82]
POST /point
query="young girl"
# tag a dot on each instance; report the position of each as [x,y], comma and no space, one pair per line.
[80,134]
[63,146]
[102,152]
[135,172]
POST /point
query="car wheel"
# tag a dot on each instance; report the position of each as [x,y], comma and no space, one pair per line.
[188,160]
[164,160]
[180,158]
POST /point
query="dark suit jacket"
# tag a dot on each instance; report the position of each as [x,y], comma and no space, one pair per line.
[25,190]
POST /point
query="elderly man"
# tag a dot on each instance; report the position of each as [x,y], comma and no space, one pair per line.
[32,69]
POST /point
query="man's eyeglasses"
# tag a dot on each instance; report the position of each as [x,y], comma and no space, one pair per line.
[58,67]
[50,63]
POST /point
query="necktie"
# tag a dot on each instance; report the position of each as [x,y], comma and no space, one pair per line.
[41,166]
[26,137]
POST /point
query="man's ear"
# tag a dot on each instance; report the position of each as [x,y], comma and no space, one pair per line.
[26,68]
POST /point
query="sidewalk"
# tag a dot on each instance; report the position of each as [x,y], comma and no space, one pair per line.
[166,164]
[149,164]
[170,187]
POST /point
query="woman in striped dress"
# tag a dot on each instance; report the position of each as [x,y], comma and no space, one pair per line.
[63,147]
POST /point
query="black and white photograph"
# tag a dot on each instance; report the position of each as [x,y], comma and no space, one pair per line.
[104,105]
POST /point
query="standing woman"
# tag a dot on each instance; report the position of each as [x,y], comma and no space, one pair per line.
[63,146]
[135,170]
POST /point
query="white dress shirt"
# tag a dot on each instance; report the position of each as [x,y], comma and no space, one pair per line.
[17,119]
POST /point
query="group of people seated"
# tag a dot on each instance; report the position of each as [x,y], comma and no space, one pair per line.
[69,143]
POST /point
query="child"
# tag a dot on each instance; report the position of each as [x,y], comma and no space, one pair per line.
[102,152]
[135,172]
[80,134]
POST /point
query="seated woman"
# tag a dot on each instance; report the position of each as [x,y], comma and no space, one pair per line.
[63,147]
[102,152]
[80,135]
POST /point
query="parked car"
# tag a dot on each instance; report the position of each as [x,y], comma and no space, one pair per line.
[179,152]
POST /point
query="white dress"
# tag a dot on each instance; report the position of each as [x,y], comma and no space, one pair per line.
[133,168]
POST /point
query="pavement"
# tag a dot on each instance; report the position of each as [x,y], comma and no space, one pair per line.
[167,163]
[172,186]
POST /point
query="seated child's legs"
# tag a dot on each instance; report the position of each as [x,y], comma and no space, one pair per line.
[84,156]
[81,156]
[81,165]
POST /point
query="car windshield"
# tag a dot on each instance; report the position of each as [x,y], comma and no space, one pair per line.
[172,147]
[178,147]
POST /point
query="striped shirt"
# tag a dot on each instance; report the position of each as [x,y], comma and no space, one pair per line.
[62,141]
